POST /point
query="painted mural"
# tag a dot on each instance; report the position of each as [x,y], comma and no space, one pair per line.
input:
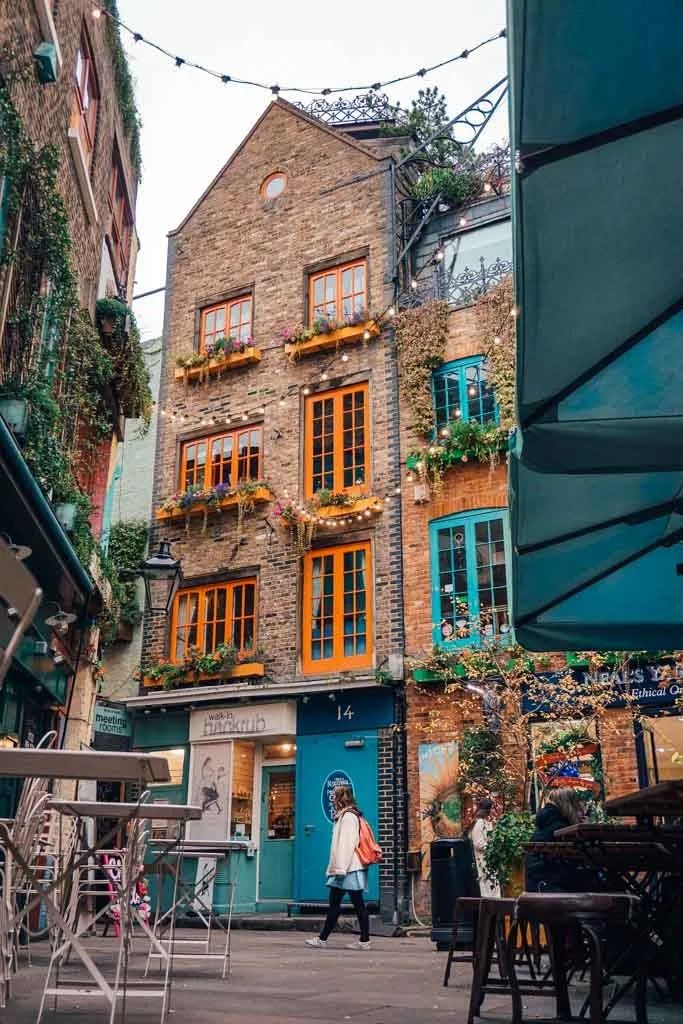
[210,789]
[439,800]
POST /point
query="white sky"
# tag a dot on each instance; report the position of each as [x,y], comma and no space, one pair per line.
[192,123]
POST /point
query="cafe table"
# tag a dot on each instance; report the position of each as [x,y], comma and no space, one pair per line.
[664,800]
[196,896]
[132,818]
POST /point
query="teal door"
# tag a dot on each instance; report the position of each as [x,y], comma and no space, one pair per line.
[277,833]
[322,763]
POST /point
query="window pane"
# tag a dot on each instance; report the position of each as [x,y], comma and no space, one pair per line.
[242,790]
[280,804]
[176,763]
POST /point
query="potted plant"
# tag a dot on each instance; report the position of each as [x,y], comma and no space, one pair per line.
[108,313]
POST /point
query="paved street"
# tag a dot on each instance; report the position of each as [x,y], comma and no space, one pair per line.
[277,979]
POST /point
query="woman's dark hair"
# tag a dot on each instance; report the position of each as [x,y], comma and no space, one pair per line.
[484,807]
[344,798]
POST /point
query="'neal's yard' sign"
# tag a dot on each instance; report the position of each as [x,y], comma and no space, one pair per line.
[651,684]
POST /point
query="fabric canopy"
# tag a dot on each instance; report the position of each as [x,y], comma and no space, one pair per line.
[598,559]
[597,116]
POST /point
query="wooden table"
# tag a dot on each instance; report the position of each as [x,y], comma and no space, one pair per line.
[664,800]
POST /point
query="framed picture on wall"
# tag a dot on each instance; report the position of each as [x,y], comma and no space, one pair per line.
[210,789]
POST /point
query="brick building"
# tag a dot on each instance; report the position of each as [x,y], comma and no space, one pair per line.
[457,555]
[295,563]
[69,168]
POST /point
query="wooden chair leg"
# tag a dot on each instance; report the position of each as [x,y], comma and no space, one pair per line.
[508,951]
[482,966]
[447,975]
[557,948]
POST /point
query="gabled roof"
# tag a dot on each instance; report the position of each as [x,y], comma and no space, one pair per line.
[297,112]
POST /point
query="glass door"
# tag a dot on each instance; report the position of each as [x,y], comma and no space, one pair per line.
[277,833]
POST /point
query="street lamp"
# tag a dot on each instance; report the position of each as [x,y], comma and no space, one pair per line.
[162,575]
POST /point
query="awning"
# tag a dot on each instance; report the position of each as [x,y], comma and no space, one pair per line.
[598,560]
[597,116]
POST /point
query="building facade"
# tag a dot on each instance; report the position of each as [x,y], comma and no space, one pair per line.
[279,671]
[69,365]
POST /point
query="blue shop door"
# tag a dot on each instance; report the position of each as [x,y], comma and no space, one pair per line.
[276,866]
[322,762]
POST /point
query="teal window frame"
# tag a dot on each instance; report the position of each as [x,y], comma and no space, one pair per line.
[464,398]
[466,522]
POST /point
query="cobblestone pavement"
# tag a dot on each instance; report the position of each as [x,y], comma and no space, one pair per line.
[276,978]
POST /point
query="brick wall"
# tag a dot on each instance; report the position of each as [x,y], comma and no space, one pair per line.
[46,114]
[233,240]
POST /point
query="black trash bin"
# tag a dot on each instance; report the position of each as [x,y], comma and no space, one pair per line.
[453,875]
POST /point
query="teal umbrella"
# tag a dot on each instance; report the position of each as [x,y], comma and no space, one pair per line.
[597,123]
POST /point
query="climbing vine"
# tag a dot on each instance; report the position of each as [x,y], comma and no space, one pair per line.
[495,312]
[421,343]
[125,89]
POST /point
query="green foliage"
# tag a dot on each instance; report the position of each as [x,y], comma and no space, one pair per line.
[454,186]
[129,370]
[504,848]
[421,343]
[125,89]
[461,441]
[481,767]
[127,548]
[170,674]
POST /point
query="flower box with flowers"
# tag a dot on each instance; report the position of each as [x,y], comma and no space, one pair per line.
[223,663]
[199,501]
[325,509]
[325,334]
[223,354]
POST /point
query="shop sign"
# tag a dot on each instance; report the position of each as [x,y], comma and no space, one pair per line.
[112,721]
[330,783]
[252,720]
[656,684]
[348,711]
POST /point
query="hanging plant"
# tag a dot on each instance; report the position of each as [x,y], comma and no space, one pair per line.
[421,343]
[462,442]
[121,338]
[496,324]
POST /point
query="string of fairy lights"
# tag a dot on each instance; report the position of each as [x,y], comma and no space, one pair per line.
[98,11]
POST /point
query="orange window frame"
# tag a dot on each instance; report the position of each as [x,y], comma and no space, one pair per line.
[334,283]
[338,441]
[207,597]
[238,458]
[86,96]
[338,659]
[240,330]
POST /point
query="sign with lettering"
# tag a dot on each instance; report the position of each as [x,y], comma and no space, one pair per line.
[243,720]
[650,684]
[349,711]
[334,779]
[112,721]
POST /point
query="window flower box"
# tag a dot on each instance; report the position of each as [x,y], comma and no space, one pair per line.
[201,367]
[367,507]
[194,502]
[325,340]
[245,670]
[425,675]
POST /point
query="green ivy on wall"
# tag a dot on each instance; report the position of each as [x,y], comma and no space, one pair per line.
[125,89]
[421,344]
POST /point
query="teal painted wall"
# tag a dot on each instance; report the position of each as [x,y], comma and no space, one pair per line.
[155,731]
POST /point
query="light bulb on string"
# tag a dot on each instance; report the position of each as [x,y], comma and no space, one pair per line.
[488,187]
[497,340]
[458,413]
[413,284]
[306,390]
[345,357]
[472,391]
[366,335]
[282,403]
[438,255]
[463,222]
[244,416]
[391,311]
[96,13]
[324,375]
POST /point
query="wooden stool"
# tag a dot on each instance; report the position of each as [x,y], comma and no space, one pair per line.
[490,938]
[465,906]
[560,914]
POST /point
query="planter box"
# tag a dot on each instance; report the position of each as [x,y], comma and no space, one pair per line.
[425,675]
[321,342]
[260,495]
[248,670]
[218,364]
[359,506]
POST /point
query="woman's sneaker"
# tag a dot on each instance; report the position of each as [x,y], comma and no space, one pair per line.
[358,945]
[317,942]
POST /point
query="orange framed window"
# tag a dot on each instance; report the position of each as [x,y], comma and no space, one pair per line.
[86,97]
[222,459]
[337,441]
[121,219]
[339,293]
[230,320]
[337,608]
[206,617]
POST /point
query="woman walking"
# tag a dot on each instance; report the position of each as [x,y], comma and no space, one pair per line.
[346,871]
[480,833]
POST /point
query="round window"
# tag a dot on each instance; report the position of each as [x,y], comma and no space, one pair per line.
[274,185]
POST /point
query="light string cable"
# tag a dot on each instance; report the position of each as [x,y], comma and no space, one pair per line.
[98,11]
